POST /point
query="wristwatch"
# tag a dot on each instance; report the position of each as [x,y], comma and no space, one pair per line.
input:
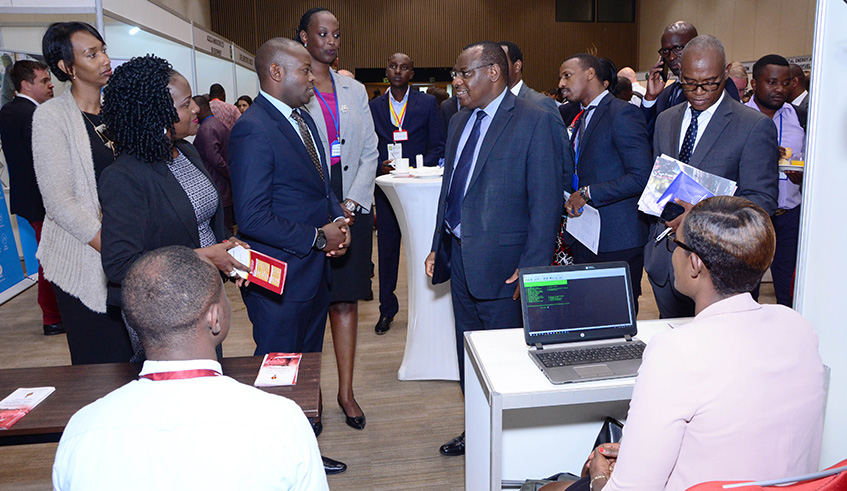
[351,207]
[583,193]
[320,240]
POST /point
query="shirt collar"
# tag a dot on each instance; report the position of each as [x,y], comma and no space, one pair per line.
[737,303]
[405,97]
[711,109]
[278,104]
[491,108]
[28,97]
[800,97]
[517,87]
[160,366]
[596,100]
[786,107]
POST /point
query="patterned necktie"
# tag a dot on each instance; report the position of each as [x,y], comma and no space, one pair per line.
[581,125]
[690,137]
[453,214]
[310,144]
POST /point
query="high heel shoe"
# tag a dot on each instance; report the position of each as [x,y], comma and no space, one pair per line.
[357,422]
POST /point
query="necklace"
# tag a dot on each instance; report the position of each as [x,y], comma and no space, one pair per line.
[101,132]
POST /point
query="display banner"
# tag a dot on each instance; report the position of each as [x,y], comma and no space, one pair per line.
[28,245]
[11,272]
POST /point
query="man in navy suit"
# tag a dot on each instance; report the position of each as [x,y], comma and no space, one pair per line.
[500,199]
[409,119]
[284,205]
[613,163]
[32,87]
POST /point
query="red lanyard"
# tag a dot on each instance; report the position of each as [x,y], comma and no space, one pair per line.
[181,374]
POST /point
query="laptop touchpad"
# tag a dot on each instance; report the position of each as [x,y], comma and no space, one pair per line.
[592,371]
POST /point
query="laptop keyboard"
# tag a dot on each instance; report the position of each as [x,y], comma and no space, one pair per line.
[582,356]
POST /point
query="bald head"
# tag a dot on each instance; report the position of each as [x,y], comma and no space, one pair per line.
[683,28]
[704,64]
[284,68]
[627,73]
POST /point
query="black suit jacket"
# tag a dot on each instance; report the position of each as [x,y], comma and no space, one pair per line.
[145,208]
[16,134]
[449,107]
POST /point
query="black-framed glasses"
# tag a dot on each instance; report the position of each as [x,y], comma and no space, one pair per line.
[467,72]
[707,87]
[671,237]
[677,50]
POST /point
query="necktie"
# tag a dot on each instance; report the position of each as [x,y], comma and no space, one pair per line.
[581,125]
[310,144]
[690,137]
[453,214]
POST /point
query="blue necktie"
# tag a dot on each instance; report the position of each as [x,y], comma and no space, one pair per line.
[690,137]
[453,214]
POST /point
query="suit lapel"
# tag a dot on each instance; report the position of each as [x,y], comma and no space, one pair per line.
[676,125]
[599,113]
[452,142]
[714,129]
[287,131]
[501,118]
[411,106]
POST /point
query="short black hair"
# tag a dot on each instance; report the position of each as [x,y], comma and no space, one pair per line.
[216,90]
[25,70]
[305,20]
[245,98]
[56,45]
[137,106]
[515,53]
[201,101]
[492,54]
[769,60]
[166,292]
[587,61]
[608,73]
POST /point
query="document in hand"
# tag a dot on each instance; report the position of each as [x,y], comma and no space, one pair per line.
[278,369]
[586,227]
[265,271]
[21,402]
[665,170]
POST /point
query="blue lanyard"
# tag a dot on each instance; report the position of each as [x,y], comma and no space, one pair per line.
[335,120]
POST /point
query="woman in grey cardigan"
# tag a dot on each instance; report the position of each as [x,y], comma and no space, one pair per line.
[70,149]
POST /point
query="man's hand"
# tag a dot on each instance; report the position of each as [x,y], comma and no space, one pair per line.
[573,207]
[429,264]
[337,238]
[674,224]
[385,168]
[513,279]
[349,215]
[795,177]
[655,84]
[217,255]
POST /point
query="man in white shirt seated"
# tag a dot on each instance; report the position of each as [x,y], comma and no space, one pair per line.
[183,425]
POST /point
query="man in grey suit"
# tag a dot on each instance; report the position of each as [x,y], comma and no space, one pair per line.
[717,134]
[500,198]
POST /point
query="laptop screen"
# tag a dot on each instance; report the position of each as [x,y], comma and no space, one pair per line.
[577,303]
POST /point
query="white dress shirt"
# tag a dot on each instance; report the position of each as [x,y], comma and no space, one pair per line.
[702,121]
[209,433]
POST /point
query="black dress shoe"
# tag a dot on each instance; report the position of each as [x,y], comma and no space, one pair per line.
[333,466]
[454,447]
[317,427]
[51,329]
[383,324]
[357,423]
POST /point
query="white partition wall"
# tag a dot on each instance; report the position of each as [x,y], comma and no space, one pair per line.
[126,41]
[212,70]
[247,83]
[821,284]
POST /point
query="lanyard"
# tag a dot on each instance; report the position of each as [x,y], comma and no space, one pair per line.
[398,121]
[181,374]
[335,120]
[575,129]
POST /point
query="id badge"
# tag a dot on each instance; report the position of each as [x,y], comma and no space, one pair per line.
[401,135]
[395,151]
[335,149]
[575,182]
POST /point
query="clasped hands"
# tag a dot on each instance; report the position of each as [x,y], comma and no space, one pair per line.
[337,236]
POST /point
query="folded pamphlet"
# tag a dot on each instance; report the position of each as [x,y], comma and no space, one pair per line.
[20,402]
[665,170]
[265,271]
[278,369]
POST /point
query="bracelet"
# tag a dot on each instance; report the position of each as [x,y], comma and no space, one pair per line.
[591,484]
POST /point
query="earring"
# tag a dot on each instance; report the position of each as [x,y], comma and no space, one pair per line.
[166,131]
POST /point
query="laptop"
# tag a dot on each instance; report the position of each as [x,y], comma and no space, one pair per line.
[579,321]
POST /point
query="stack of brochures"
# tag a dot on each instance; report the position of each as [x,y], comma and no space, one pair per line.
[671,179]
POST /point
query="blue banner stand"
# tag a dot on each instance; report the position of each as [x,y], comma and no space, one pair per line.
[12,279]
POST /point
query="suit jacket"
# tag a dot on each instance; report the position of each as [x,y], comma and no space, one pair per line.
[740,372]
[615,161]
[449,107]
[664,102]
[145,208]
[422,121]
[511,209]
[278,195]
[16,135]
[802,112]
[211,142]
[739,143]
[358,140]
[559,129]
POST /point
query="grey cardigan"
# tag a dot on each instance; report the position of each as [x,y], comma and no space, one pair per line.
[64,169]
[358,145]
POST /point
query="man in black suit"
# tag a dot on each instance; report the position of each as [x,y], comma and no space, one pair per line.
[409,119]
[33,87]
[449,107]
[799,96]
[613,163]
[658,97]
[500,199]
[717,134]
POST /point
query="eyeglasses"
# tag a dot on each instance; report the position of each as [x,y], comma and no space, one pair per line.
[707,87]
[671,237]
[677,50]
[467,72]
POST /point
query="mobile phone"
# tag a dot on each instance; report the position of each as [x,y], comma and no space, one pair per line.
[664,72]
[671,211]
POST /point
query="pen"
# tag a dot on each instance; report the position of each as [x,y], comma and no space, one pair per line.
[663,235]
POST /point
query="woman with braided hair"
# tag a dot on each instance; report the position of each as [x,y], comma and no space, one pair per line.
[157,193]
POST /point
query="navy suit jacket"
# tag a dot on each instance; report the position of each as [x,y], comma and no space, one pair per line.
[664,102]
[278,195]
[510,213]
[422,121]
[615,161]
[16,134]
[449,108]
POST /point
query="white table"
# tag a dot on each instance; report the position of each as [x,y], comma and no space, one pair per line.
[517,424]
[431,337]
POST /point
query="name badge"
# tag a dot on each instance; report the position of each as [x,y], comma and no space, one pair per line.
[335,149]
[401,135]
[395,151]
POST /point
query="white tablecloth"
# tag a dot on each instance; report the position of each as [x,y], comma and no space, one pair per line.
[431,337]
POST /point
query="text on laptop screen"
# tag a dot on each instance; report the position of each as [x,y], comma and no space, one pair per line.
[557,302]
